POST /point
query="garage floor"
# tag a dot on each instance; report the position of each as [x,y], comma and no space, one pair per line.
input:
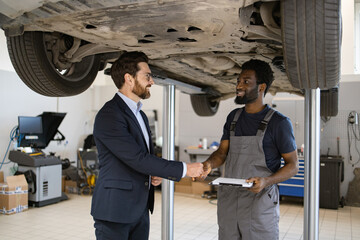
[195,218]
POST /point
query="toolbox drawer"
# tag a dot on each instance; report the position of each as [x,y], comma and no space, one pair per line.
[293,186]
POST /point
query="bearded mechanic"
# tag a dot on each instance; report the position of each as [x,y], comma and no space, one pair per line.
[255,139]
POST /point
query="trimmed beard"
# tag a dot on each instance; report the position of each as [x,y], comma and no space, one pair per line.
[141,92]
[248,97]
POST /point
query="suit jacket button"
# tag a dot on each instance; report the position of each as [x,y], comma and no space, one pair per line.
[146,184]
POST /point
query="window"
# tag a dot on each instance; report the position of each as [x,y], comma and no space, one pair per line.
[357,36]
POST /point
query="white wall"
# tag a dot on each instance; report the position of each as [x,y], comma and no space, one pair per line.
[4,56]
[347,47]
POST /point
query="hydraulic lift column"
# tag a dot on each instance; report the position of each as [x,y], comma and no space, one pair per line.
[312,164]
[168,148]
[168,152]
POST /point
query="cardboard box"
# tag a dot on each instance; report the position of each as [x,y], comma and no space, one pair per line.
[184,181]
[14,195]
[71,186]
[183,189]
[1,176]
[184,186]
[198,188]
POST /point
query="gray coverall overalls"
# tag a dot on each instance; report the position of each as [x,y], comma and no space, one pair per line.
[243,214]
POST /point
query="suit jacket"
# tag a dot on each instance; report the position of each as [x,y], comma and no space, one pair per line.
[122,192]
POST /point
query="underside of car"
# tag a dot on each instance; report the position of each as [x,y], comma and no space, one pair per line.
[58,47]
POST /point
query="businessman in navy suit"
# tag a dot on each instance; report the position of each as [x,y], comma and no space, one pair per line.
[129,170]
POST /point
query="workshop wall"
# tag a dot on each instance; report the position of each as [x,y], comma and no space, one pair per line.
[349,100]
[17,99]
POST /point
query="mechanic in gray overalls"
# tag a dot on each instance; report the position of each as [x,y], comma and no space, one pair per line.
[254,140]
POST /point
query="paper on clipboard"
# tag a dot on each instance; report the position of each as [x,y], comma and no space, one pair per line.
[232,182]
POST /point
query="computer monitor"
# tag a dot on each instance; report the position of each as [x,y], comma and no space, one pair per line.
[30,125]
[32,137]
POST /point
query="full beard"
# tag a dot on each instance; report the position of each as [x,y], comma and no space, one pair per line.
[248,97]
[141,92]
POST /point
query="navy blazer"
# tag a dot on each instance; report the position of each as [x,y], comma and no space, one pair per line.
[122,190]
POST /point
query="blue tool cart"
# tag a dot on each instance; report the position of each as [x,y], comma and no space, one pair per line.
[295,185]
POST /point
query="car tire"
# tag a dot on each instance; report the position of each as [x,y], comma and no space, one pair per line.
[311,32]
[31,62]
[203,105]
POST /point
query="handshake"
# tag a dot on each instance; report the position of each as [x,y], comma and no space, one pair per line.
[194,169]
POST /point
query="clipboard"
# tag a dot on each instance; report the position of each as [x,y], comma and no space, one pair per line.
[232,182]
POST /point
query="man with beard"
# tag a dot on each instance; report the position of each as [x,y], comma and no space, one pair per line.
[124,191]
[254,140]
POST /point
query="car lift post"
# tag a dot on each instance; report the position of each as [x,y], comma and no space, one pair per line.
[168,152]
[312,164]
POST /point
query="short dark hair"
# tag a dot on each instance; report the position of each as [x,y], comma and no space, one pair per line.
[126,63]
[263,72]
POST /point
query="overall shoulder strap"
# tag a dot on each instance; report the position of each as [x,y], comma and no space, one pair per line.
[264,123]
[233,123]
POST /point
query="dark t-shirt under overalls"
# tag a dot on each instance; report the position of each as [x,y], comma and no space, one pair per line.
[278,139]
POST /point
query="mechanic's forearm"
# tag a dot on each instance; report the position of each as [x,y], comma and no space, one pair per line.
[284,173]
[216,159]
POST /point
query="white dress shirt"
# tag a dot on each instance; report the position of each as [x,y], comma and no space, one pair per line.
[135,108]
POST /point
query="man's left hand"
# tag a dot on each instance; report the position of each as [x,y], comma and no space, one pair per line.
[155,181]
[258,184]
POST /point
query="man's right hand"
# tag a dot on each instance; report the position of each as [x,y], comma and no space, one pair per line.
[206,170]
[194,169]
